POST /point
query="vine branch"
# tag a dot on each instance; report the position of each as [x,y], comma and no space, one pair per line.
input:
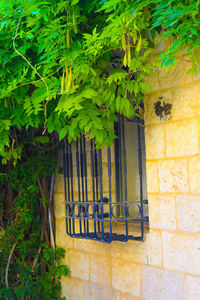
[8,263]
[38,254]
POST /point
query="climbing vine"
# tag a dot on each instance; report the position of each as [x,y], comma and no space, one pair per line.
[71,65]
[30,267]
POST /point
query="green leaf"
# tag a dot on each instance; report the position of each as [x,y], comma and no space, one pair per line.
[136,88]
[63,132]
[167,61]
[74,2]
[42,139]
[118,103]
[88,93]
[97,123]
[145,87]
[117,76]
[88,127]
[100,137]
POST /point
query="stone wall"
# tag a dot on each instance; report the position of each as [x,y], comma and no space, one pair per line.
[167,264]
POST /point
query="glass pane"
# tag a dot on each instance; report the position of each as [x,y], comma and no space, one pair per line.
[132,165]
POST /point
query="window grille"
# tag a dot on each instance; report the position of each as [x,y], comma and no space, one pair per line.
[99,200]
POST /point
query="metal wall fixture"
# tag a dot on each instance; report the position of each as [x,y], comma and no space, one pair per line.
[89,213]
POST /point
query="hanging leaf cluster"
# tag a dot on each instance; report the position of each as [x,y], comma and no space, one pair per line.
[69,66]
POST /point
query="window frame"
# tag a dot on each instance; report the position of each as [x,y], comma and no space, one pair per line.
[78,211]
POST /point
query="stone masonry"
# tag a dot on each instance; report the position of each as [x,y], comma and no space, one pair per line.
[166,266]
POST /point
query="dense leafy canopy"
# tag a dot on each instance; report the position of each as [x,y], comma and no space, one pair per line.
[91,58]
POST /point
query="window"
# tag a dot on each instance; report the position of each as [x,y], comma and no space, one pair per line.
[105,190]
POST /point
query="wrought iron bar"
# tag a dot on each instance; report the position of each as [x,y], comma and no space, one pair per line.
[65,186]
[82,182]
[110,217]
[78,180]
[97,184]
[101,191]
[68,183]
[85,175]
[71,176]
[110,190]
[141,181]
[93,184]
[125,177]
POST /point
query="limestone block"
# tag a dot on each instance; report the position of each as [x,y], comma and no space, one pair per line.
[100,270]
[77,186]
[192,288]
[72,288]
[181,252]
[105,154]
[153,81]
[59,205]
[158,284]
[186,102]
[99,248]
[126,276]
[94,292]
[162,211]
[182,138]
[89,187]
[173,76]
[65,261]
[188,209]
[150,101]
[79,264]
[62,239]
[117,249]
[150,117]
[152,177]
[129,297]
[194,174]
[173,176]
[77,225]
[114,249]
[59,183]
[58,197]
[147,252]
[82,244]
[106,178]
[191,78]
[154,141]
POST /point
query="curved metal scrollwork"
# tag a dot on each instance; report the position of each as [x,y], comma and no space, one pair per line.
[91,211]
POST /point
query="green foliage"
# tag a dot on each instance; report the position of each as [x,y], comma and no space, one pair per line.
[90,55]
[13,154]
[179,23]
[77,54]
[35,269]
